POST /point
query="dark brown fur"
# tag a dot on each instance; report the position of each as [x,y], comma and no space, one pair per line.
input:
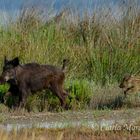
[33,77]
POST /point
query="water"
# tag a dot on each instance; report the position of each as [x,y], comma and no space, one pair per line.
[107,124]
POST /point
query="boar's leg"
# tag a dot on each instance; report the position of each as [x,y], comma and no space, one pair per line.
[58,92]
[24,93]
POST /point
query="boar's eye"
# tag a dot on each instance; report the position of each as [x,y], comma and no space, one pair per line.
[7,67]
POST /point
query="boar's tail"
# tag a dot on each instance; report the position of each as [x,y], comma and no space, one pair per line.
[65,62]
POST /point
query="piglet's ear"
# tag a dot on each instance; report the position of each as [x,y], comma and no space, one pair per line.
[127,76]
[5,60]
[15,61]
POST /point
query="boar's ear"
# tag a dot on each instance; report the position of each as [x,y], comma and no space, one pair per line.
[5,60]
[15,61]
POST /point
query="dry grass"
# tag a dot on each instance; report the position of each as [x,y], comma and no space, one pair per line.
[67,134]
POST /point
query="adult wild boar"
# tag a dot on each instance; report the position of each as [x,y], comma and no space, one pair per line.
[33,77]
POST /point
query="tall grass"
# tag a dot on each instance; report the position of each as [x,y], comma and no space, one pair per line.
[100,51]
[101,48]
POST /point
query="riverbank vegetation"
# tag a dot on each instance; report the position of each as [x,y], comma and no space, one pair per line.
[101,48]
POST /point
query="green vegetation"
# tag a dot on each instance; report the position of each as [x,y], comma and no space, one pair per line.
[101,49]
[3,89]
